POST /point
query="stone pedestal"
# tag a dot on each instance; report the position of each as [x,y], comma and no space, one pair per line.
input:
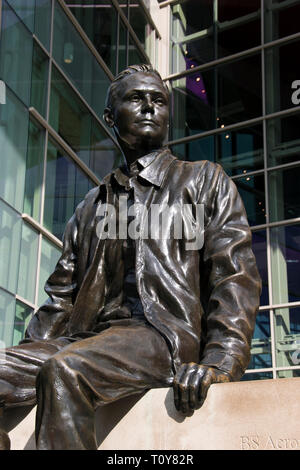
[240,416]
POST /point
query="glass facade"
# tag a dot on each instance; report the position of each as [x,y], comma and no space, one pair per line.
[54,144]
[232,74]
[232,69]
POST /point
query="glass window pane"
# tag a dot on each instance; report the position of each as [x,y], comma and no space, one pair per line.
[36,14]
[138,21]
[285,262]
[68,116]
[134,55]
[252,191]
[281,19]
[100,25]
[15,54]
[122,48]
[104,154]
[261,343]
[10,237]
[287,336]
[200,35]
[257,376]
[34,171]
[287,374]
[284,194]
[238,151]
[281,69]
[39,80]
[43,21]
[28,263]
[259,246]
[66,186]
[22,317]
[217,97]
[25,10]
[200,149]
[7,317]
[13,144]
[283,140]
[77,61]
[123,4]
[50,255]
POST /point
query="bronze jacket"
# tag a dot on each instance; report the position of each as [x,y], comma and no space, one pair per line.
[204,302]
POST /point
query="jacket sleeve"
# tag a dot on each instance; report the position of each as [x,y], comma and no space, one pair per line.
[50,320]
[232,282]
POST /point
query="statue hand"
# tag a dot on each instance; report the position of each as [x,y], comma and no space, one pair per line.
[191,385]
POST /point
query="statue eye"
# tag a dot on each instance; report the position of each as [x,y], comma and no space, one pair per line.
[134,97]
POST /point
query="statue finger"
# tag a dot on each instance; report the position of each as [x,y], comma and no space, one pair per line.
[177,380]
[184,388]
[195,384]
[207,380]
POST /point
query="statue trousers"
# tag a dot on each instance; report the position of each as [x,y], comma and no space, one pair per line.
[69,378]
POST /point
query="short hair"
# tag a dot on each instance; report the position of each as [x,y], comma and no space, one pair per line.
[145,68]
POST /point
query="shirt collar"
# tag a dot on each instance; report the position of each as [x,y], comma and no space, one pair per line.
[151,167]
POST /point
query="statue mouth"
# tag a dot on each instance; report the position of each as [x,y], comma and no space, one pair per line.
[148,121]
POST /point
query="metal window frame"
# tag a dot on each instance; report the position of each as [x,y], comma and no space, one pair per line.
[233,57]
[85,38]
[129,30]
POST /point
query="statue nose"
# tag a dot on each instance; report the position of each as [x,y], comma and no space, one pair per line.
[148,105]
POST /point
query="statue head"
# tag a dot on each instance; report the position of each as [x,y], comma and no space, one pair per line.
[137,108]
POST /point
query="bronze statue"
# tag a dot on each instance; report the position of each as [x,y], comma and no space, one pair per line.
[126,314]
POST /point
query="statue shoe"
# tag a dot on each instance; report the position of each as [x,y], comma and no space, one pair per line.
[4,440]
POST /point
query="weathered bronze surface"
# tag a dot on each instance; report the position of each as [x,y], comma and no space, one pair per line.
[124,316]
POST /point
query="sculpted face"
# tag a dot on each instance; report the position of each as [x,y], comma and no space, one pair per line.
[140,113]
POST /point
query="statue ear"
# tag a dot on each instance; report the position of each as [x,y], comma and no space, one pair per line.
[108,117]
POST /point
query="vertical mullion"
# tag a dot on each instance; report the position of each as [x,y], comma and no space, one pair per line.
[265,153]
[273,345]
[117,43]
[127,34]
[0,17]
[45,158]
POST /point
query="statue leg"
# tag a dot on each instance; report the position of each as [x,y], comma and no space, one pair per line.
[118,362]
[19,366]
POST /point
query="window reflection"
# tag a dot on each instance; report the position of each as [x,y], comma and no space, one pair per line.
[259,246]
[287,336]
[238,151]
[284,194]
[283,140]
[50,255]
[285,263]
[22,317]
[257,376]
[66,186]
[28,263]
[252,191]
[34,171]
[100,24]
[281,19]
[205,31]
[77,61]
[218,97]
[281,70]
[16,54]
[261,343]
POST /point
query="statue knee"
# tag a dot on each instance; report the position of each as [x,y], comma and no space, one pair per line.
[51,369]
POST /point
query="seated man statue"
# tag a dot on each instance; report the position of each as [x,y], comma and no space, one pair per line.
[131,307]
